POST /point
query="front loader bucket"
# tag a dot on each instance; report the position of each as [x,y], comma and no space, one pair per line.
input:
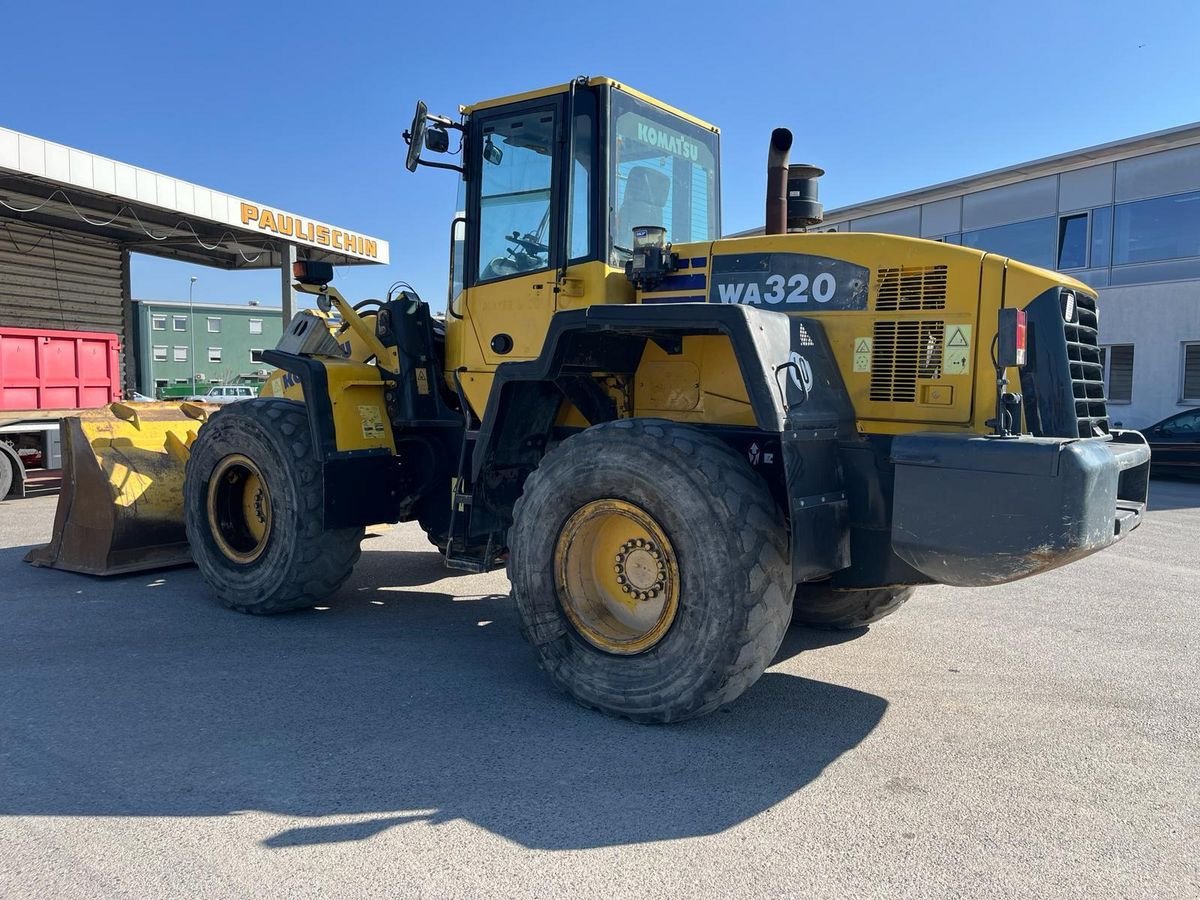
[121,505]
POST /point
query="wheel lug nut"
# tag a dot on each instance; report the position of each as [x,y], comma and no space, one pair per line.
[621,579]
[625,588]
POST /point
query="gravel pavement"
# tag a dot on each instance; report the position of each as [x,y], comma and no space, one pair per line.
[1034,740]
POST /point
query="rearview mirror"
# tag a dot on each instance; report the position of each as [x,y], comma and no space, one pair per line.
[491,152]
[416,136]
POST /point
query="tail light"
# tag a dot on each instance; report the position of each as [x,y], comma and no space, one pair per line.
[1012,339]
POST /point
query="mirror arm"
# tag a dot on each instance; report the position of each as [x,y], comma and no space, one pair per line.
[445,122]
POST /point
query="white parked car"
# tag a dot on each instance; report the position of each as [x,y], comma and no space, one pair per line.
[225,393]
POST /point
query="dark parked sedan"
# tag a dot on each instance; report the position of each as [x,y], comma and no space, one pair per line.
[1175,445]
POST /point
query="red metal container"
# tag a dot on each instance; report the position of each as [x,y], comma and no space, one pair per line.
[44,369]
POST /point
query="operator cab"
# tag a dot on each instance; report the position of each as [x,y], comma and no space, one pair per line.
[547,211]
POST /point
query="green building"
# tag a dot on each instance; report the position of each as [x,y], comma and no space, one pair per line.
[223,342]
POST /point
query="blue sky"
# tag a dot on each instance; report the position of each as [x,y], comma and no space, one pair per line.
[302,105]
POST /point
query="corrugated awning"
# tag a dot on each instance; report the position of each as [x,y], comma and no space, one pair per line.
[50,184]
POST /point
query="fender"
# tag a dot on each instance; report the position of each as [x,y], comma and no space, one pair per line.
[791,379]
[786,365]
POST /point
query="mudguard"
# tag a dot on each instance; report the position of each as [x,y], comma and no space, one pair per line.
[791,378]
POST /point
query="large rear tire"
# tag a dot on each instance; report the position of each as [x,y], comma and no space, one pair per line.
[818,605]
[649,565]
[254,502]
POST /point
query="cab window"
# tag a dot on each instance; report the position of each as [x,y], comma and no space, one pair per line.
[516,151]
[665,174]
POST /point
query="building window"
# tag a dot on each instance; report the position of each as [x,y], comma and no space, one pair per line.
[179,323]
[256,326]
[158,323]
[1029,242]
[1073,241]
[181,381]
[1118,372]
[161,382]
[256,356]
[1162,228]
[214,324]
[160,354]
[1191,373]
[180,354]
[214,354]
[1102,236]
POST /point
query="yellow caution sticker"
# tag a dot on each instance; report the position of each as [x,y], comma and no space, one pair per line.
[862,354]
[956,352]
[372,421]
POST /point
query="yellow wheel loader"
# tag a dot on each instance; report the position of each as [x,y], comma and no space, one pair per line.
[676,442]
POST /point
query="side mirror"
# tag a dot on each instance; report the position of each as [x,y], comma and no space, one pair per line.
[416,136]
[437,140]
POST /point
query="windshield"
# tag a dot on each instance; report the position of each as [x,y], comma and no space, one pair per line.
[665,174]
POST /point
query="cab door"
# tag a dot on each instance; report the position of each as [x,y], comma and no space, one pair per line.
[514,201]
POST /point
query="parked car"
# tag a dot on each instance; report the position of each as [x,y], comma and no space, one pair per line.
[225,393]
[135,397]
[1175,445]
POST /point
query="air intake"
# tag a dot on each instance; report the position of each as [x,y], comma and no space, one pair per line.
[904,288]
[901,353]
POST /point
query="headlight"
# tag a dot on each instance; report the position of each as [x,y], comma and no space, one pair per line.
[1068,306]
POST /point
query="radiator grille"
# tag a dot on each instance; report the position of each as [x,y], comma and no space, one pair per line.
[901,353]
[911,288]
[1087,369]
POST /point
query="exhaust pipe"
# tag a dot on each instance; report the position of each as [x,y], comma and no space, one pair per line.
[777,181]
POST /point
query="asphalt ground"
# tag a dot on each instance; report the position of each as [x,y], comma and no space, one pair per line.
[1040,739]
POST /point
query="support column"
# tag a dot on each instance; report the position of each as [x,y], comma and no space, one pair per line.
[287,256]
[131,345]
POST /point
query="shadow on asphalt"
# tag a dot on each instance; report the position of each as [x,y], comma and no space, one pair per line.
[139,696]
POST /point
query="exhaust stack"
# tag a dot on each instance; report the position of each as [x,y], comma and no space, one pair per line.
[777,181]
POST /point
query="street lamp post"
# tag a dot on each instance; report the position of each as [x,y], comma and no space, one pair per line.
[192,332]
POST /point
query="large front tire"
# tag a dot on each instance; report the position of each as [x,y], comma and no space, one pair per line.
[649,566]
[254,503]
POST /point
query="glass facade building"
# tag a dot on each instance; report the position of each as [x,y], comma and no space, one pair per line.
[1122,217]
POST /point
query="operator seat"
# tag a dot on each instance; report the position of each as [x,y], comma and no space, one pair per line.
[646,193]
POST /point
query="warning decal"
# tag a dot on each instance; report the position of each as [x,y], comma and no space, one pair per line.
[862,354]
[956,357]
[372,421]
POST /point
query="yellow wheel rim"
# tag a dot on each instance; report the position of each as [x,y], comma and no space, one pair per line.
[618,578]
[239,509]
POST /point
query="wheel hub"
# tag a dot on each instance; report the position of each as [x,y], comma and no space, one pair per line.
[618,578]
[239,509]
[641,570]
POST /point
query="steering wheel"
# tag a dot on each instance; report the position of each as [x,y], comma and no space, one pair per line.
[528,243]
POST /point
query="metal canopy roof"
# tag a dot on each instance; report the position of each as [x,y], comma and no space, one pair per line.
[61,187]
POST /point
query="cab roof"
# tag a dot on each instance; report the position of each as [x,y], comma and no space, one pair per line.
[593,81]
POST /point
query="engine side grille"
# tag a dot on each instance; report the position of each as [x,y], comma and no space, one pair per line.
[911,288]
[1087,371]
[901,353]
